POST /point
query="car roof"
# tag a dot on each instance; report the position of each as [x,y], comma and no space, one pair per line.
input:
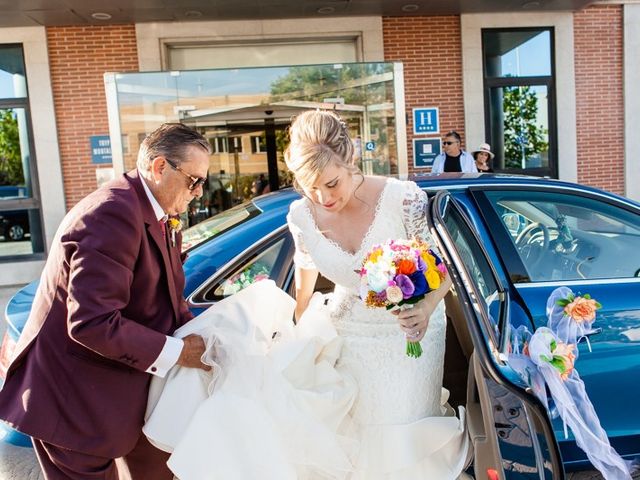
[453,181]
[468,180]
[274,207]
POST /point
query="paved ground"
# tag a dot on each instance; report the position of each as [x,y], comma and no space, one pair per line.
[18,463]
[15,248]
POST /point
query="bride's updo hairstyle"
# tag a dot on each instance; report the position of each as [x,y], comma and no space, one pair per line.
[318,138]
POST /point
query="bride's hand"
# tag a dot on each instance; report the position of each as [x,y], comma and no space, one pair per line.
[414,321]
[192,352]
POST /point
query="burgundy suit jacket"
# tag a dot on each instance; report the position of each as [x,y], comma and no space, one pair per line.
[110,291]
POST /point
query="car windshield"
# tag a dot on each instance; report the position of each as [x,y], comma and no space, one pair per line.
[218,224]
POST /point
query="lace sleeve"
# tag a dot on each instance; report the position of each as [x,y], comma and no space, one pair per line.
[301,257]
[414,213]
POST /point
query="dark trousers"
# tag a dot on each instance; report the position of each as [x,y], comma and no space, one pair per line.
[144,462]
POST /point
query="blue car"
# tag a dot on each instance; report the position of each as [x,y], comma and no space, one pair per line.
[509,242]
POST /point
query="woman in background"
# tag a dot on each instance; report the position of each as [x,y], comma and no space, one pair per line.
[483,157]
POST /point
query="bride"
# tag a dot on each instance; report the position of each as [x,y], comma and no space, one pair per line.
[334,397]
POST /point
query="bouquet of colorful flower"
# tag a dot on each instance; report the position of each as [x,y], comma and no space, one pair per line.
[397,274]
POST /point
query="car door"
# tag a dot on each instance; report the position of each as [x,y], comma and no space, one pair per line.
[509,428]
[590,242]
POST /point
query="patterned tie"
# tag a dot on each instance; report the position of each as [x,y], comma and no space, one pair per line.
[163,228]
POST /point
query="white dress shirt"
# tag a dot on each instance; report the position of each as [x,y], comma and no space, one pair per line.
[172,346]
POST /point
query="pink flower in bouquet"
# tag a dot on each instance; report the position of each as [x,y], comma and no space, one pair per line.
[394,294]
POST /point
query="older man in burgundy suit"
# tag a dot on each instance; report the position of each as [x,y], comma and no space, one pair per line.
[109,297]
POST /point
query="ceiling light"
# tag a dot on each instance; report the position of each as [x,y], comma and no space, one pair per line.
[410,7]
[326,10]
[193,14]
[101,16]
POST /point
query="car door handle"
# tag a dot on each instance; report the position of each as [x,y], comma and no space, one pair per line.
[595,331]
[586,336]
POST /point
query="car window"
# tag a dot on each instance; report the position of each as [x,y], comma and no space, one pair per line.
[223,221]
[568,237]
[265,262]
[475,262]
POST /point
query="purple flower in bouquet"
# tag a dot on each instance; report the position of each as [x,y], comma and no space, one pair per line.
[406,285]
[422,266]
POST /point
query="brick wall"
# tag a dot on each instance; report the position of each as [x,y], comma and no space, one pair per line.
[431,52]
[598,37]
[79,56]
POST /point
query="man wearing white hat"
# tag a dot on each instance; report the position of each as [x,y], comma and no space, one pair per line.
[483,155]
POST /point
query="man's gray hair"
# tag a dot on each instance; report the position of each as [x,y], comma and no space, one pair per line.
[170,140]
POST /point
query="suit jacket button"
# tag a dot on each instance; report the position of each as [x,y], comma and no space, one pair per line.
[154,369]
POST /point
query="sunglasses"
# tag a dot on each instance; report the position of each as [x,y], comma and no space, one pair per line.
[195,181]
[448,143]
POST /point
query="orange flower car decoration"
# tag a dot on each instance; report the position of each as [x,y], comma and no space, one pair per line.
[582,309]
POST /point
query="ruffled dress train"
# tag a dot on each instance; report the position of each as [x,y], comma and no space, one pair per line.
[280,404]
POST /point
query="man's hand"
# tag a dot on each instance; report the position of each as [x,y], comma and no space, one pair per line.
[192,352]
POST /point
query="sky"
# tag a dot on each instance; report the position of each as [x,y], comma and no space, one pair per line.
[531,61]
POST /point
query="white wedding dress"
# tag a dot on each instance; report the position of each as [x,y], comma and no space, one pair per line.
[334,397]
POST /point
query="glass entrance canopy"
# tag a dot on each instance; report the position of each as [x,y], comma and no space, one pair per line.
[244,114]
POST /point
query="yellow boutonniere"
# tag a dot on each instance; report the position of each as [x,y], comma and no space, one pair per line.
[175,225]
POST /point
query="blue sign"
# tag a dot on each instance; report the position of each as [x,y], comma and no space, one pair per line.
[370,146]
[100,149]
[425,120]
[425,150]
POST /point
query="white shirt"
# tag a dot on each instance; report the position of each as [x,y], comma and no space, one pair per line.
[172,346]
